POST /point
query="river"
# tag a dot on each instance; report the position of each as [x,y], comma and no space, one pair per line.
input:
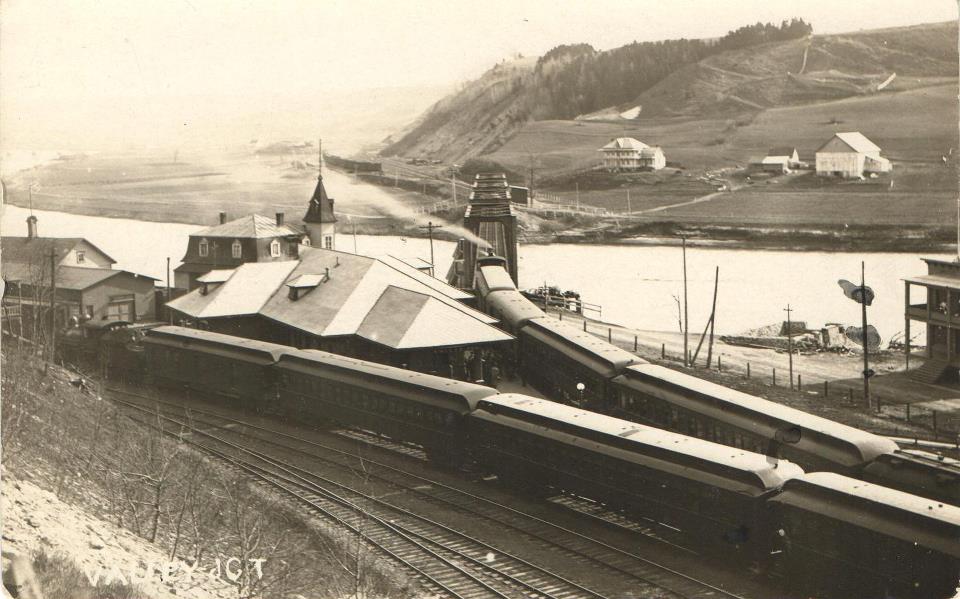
[635,285]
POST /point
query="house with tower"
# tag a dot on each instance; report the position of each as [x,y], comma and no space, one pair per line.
[256,238]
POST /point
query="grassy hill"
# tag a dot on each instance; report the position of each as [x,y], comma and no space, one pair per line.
[836,66]
[704,100]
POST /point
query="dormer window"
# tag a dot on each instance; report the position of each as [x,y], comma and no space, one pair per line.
[81,258]
[204,248]
[237,249]
[275,248]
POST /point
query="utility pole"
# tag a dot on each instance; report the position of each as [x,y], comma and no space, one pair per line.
[354,223]
[629,210]
[789,343]
[53,306]
[686,314]
[453,183]
[430,227]
[169,313]
[866,337]
[713,317]
[578,195]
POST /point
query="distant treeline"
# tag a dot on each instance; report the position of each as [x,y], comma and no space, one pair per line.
[353,166]
[576,79]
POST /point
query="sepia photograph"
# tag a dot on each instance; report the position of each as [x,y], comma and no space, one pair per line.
[511,299]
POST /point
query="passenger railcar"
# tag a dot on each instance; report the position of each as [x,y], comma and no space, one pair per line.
[403,404]
[918,472]
[850,539]
[556,359]
[668,399]
[490,278]
[710,493]
[225,366]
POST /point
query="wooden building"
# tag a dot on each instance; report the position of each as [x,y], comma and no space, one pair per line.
[850,155]
[87,287]
[629,154]
[937,308]
[252,238]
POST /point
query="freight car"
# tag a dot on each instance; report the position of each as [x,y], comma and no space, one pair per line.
[406,405]
[842,537]
[712,497]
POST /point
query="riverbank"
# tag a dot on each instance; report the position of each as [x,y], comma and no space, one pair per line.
[141,188]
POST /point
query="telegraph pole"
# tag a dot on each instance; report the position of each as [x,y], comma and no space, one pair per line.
[629,210]
[789,343]
[53,306]
[686,314]
[169,313]
[866,342]
[430,227]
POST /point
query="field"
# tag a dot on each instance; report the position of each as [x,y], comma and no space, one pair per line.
[915,128]
[195,189]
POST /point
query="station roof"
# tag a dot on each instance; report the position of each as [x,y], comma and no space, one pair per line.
[385,301]
[243,293]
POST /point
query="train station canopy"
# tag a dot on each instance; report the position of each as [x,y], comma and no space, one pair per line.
[382,300]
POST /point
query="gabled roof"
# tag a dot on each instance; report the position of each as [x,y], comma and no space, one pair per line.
[252,226]
[320,209]
[242,294]
[385,301]
[32,250]
[856,141]
[625,143]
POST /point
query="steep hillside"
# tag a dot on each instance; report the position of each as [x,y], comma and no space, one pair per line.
[835,66]
[678,78]
[482,115]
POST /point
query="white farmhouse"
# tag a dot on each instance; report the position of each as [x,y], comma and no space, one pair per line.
[629,154]
[850,154]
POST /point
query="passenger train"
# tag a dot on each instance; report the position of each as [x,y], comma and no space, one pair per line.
[823,533]
[557,358]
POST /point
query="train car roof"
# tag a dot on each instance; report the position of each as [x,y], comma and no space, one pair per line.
[908,517]
[174,336]
[511,306]
[375,375]
[689,457]
[496,278]
[847,445]
[571,341]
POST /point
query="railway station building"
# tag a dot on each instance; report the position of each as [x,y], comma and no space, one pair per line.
[379,309]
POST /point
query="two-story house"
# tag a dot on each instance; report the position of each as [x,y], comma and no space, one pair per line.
[252,238]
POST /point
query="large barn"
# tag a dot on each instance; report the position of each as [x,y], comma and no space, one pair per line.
[850,155]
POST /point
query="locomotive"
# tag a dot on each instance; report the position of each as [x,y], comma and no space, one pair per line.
[557,359]
[822,532]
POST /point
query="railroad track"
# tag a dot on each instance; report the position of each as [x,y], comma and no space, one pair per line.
[450,549]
